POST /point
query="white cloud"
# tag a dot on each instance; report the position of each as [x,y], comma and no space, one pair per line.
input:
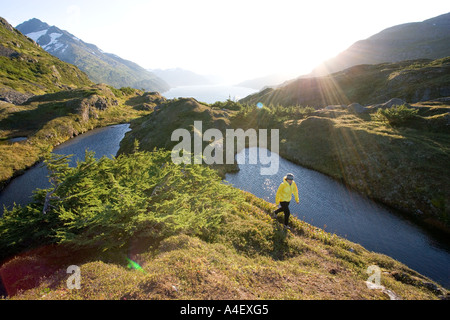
[74,13]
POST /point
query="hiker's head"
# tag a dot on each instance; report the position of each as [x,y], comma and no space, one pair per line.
[289,178]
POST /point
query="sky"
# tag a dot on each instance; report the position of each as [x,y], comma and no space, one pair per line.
[237,40]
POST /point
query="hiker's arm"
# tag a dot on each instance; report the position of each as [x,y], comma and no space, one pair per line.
[296,192]
[277,196]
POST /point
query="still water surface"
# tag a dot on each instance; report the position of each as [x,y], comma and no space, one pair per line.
[210,93]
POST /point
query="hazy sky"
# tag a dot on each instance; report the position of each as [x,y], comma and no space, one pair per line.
[240,39]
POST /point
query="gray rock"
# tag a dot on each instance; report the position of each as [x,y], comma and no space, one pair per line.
[393,102]
[9,53]
[445,296]
[335,107]
[101,103]
[14,97]
[357,108]
[87,107]
[432,287]
[391,294]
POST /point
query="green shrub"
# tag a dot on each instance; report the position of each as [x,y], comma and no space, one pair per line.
[229,104]
[117,93]
[396,115]
[108,204]
[127,90]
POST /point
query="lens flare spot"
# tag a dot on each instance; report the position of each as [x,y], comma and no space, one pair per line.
[134,265]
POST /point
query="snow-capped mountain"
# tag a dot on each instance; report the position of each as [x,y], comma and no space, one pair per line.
[101,67]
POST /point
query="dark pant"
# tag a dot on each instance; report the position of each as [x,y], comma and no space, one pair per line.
[285,208]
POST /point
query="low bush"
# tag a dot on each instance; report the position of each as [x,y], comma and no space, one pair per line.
[106,205]
[397,115]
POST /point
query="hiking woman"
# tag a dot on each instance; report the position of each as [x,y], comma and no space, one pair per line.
[284,196]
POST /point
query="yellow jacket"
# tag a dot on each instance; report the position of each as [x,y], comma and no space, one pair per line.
[285,191]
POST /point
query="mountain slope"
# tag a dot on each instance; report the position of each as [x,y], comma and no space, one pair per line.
[412,81]
[100,66]
[25,68]
[429,39]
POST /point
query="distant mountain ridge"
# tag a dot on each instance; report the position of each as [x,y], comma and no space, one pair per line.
[101,67]
[429,39]
[270,80]
[178,77]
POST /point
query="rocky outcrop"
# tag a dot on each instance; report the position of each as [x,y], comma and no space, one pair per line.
[7,52]
[391,294]
[13,96]
[418,281]
[88,107]
[147,101]
[5,24]
[357,108]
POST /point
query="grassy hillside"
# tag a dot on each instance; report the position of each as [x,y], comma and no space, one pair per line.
[155,131]
[27,68]
[111,69]
[141,227]
[412,81]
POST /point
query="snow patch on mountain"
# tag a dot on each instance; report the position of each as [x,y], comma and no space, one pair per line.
[36,35]
[54,41]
